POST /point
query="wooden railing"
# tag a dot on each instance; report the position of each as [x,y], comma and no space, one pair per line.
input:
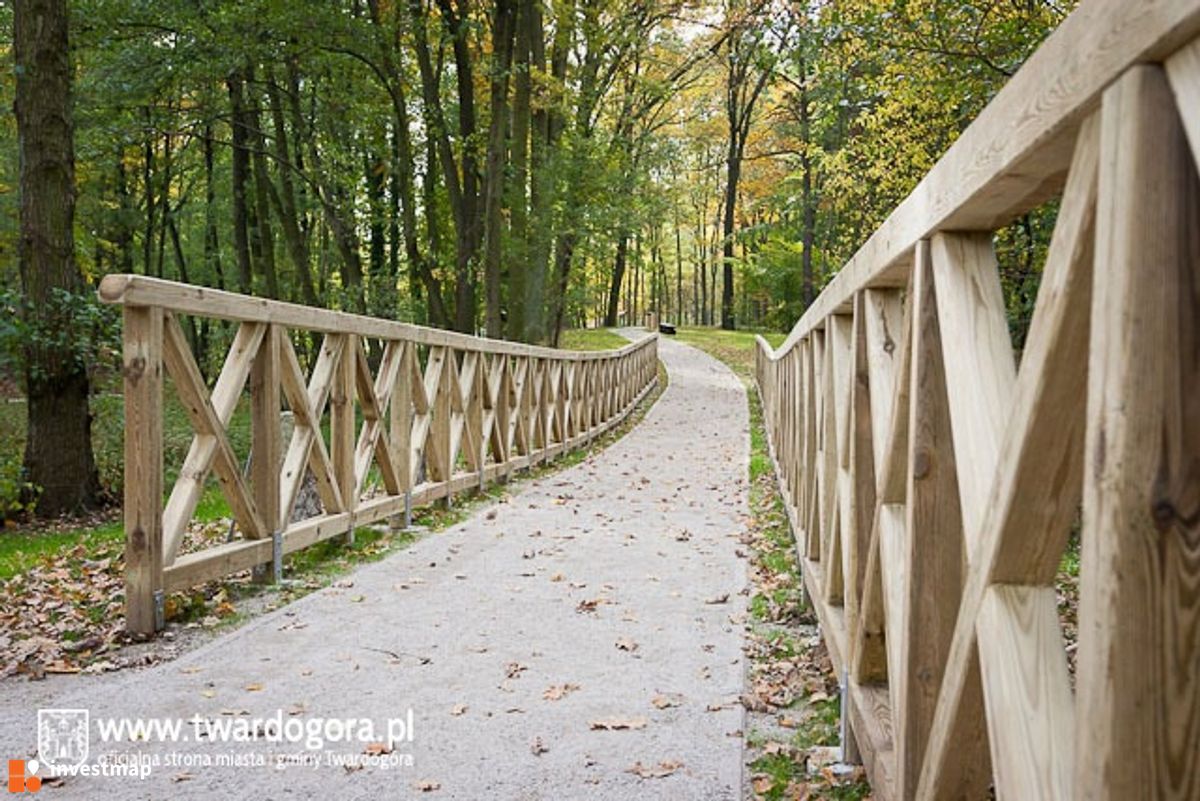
[933,486]
[441,414]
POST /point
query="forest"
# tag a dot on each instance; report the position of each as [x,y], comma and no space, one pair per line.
[513,168]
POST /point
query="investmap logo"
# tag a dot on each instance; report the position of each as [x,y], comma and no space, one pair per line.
[22,776]
[62,737]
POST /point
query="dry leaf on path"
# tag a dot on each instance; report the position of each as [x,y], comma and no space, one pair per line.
[664,768]
[619,724]
[557,692]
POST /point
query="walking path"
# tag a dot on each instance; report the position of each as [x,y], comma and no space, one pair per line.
[608,594]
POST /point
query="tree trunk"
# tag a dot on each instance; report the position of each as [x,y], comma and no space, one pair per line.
[734,169]
[58,446]
[502,53]
[614,291]
[809,220]
[462,191]
[286,208]
[241,171]
[519,299]
[262,190]
[678,270]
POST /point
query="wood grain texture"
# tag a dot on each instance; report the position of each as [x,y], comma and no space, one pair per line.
[141,365]
[1031,713]
[1035,496]
[977,352]
[141,290]
[266,443]
[1183,71]
[933,541]
[1139,644]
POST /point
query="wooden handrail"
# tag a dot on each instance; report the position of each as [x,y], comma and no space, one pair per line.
[140,290]
[443,413]
[933,487]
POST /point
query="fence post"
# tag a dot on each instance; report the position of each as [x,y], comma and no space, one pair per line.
[266,439]
[342,427]
[142,368]
[1138,690]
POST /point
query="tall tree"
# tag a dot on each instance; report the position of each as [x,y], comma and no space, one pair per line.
[58,448]
[748,69]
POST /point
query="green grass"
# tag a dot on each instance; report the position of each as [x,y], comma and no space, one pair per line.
[779,601]
[592,339]
[735,348]
[21,550]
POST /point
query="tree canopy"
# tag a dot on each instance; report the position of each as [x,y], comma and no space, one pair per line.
[510,167]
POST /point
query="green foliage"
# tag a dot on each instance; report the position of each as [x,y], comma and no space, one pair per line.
[18,496]
[75,327]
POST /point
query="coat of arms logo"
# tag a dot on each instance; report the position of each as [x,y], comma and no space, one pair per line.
[62,737]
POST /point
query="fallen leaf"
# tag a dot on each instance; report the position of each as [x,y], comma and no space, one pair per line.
[427,786]
[591,604]
[458,709]
[720,599]
[619,724]
[626,644]
[182,777]
[664,768]
[514,669]
[254,688]
[663,701]
[537,747]
[556,692]
[377,749]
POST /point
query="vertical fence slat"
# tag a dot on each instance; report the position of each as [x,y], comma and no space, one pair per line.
[933,537]
[142,366]
[342,426]
[1139,645]
[266,437]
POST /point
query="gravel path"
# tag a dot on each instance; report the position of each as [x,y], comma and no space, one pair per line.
[607,594]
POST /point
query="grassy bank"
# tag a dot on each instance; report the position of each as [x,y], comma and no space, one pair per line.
[791,698]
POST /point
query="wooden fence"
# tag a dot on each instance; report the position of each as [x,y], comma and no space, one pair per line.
[933,486]
[441,414]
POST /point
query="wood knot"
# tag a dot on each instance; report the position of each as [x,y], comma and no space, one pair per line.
[922,464]
[1164,514]
[135,368]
